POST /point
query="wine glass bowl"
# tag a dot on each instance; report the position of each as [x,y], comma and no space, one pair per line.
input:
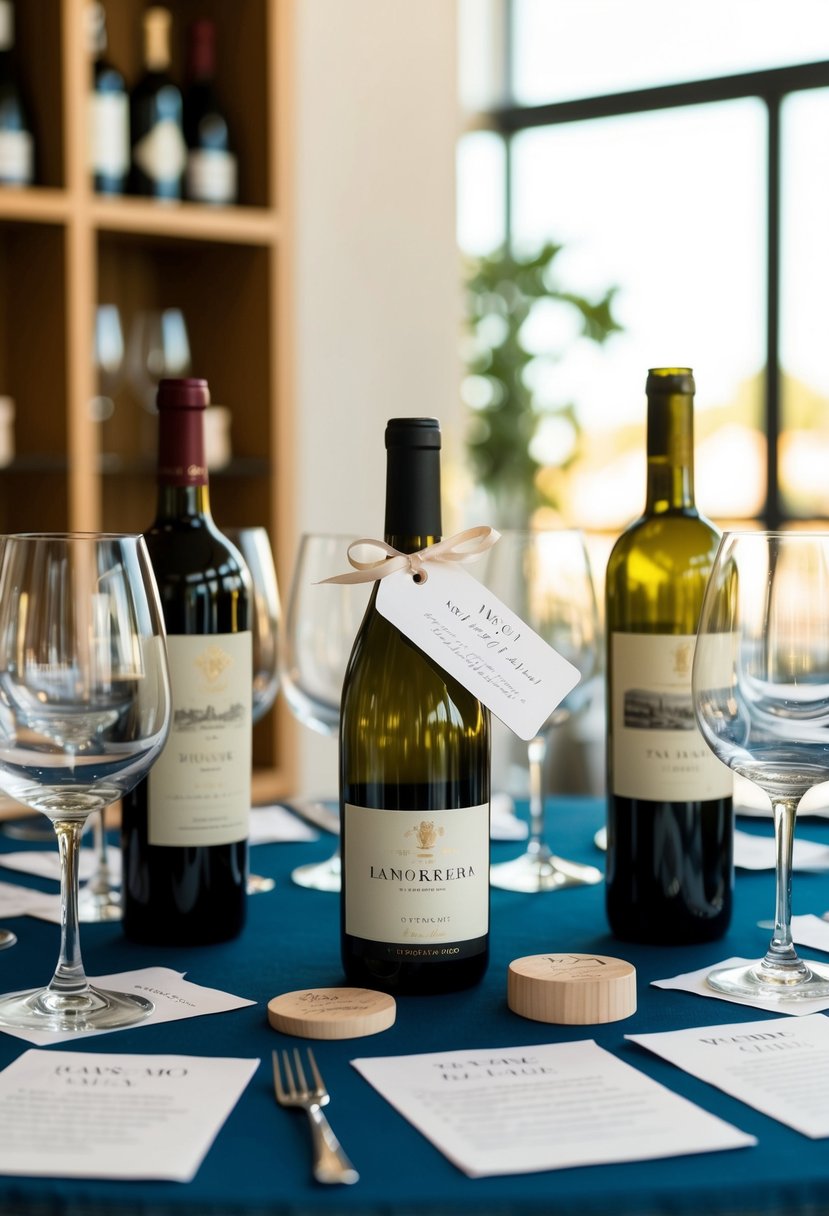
[84,712]
[320,626]
[761,698]
[545,577]
[255,547]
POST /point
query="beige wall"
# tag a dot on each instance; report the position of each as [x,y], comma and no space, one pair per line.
[377,278]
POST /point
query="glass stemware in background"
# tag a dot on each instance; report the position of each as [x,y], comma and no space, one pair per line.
[158,347]
[108,358]
[84,712]
[761,697]
[255,546]
[320,626]
[545,578]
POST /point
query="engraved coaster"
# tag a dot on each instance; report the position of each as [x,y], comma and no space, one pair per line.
[571,989]
[332,1013]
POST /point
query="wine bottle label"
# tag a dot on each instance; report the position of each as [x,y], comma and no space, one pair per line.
[657,751]
[161,154]
[417,879]
[109,134]
[199,788]
[211,176]
[16,158]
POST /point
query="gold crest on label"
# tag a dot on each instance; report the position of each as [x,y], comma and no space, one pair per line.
[425,834]
[213,662]
[683,657]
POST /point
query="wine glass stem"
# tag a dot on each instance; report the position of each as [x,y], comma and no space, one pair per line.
[69,978]
[781,949]
[536,754]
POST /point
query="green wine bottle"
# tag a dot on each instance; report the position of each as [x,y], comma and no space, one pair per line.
[670,815]
[414,777]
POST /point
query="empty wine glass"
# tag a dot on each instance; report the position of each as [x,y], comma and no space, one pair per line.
[545,578]
[761,697]
[84,712]
[255,547]
[320,626]
[159,347]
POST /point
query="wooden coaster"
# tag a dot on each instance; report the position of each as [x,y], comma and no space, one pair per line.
[332,1013]
[571,989]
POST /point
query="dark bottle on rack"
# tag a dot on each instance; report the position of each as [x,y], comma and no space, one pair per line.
[16,140]
[185,828]
[211,175]
[414,777]
[670,816]
[109,113]
[156,134]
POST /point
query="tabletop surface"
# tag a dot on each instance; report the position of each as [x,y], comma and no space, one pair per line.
[259,1162]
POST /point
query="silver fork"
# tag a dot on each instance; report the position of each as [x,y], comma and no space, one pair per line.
[330,1162]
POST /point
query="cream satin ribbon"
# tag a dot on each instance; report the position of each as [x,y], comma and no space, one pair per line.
[464,546]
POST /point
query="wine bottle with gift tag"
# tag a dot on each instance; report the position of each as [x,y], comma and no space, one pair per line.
[414,776]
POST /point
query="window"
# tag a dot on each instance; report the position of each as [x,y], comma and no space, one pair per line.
[687,165]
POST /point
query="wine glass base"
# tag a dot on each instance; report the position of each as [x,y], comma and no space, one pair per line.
[90,1009]
[806,981]
[97,906]
[7,939]
[544,871]
[258,884]
[319,876]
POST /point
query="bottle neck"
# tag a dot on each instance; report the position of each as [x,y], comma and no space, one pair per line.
[157,40]
[670,448]
[413,518]
[183,490]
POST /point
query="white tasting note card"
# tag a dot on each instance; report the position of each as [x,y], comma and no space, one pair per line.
[81,1114]
[697,982]
[481,642]
[173,996]
[752,852]
[780,1067]
[20,901]
[520,1109]
[45,863]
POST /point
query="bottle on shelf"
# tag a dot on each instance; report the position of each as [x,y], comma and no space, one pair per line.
[156,114]
[211,173]
[109,113]
[670,816]
[414,777]
[185,828]
[16,140]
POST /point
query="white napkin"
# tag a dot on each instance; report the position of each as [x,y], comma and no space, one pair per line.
[694,981]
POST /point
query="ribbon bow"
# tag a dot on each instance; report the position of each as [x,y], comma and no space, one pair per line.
[464,546]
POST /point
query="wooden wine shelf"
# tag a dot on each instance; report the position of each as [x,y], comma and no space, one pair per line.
[63,250]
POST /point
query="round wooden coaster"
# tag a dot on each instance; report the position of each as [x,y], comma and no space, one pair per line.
[332,1013]
[571,989]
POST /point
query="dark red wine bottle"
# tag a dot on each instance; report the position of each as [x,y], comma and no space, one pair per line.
[211,175]
[185,828]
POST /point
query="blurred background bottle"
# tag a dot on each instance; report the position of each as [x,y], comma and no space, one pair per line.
[109,115]
[156,133]
[211,174]
[17,153]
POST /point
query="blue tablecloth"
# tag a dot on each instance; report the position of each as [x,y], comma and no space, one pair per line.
[260,1161]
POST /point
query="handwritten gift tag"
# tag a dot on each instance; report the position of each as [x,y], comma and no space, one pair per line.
[477,639]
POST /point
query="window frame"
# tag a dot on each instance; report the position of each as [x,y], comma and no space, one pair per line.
[770,86]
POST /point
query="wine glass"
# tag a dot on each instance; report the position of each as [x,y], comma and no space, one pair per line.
[544,576]
[84,712]
[255,547]
[320,626]
[761,698]
[158,347]
[108,357]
